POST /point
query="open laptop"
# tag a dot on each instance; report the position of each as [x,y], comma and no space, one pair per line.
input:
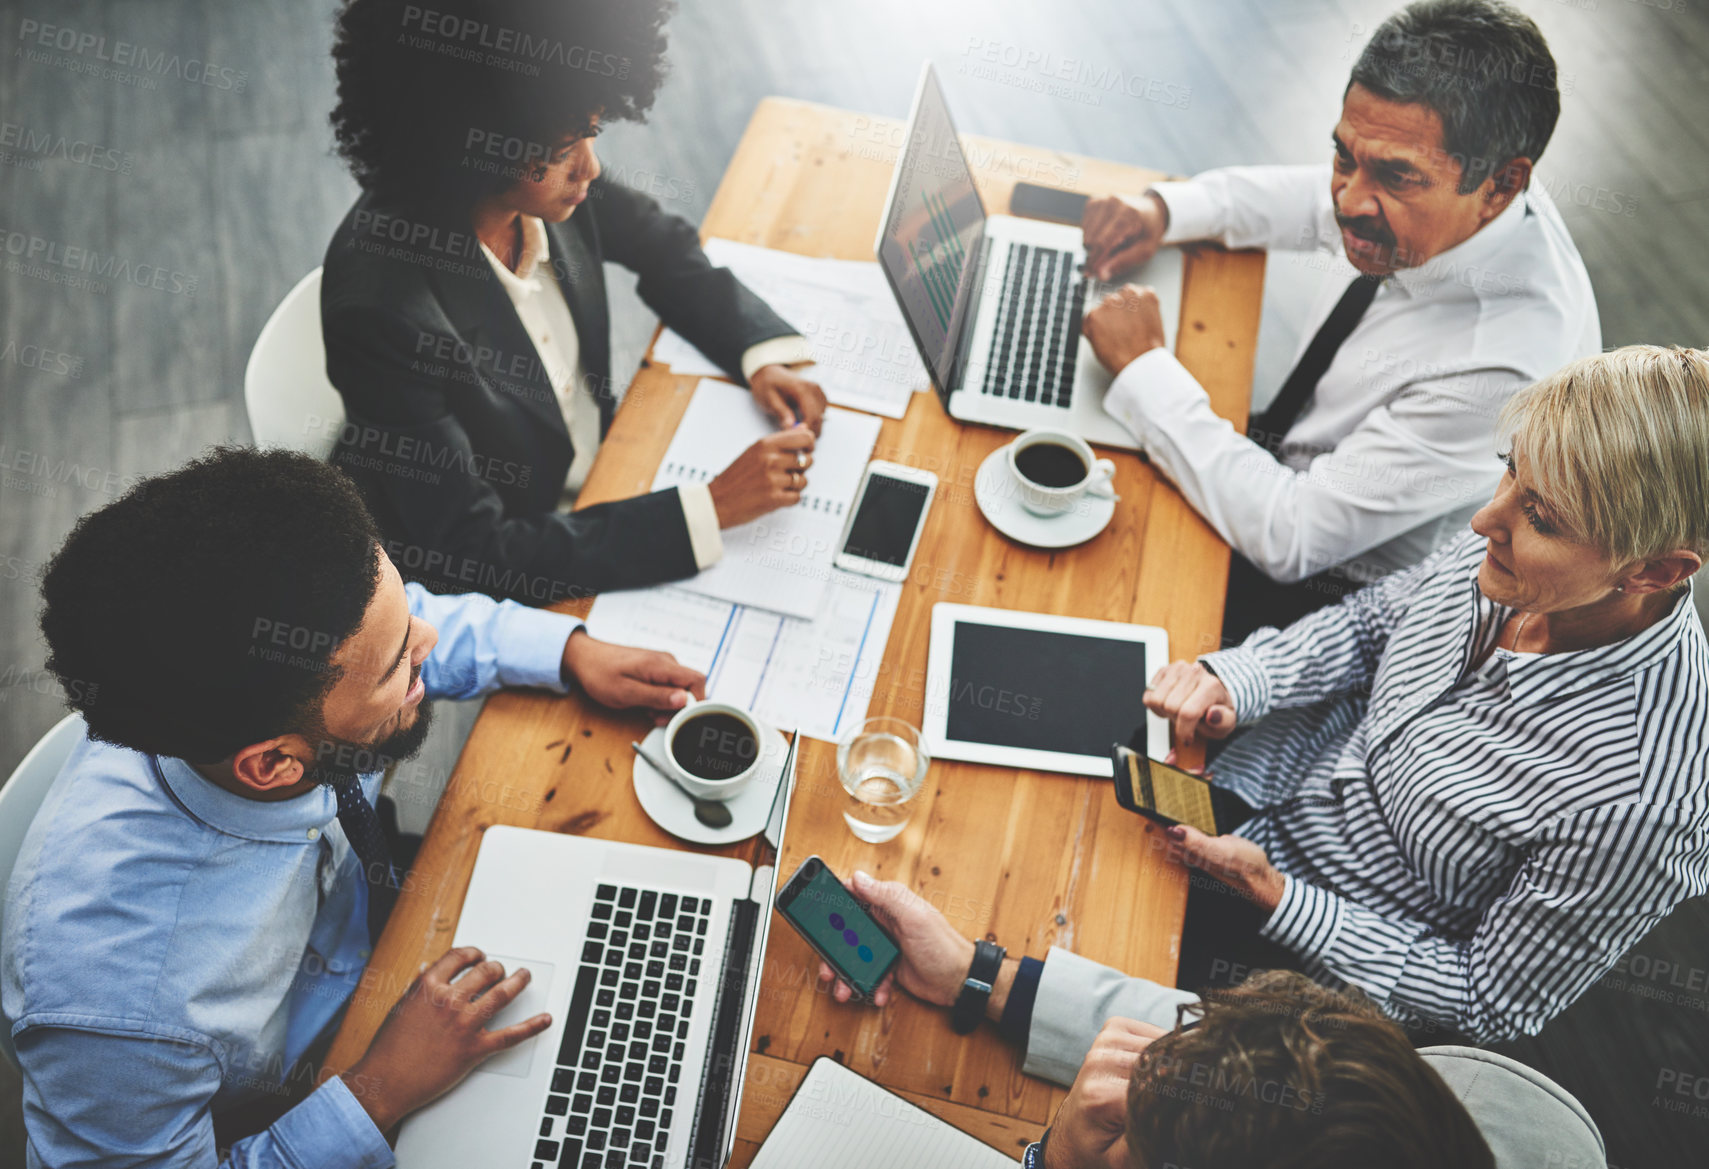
[649,960]
[994,302]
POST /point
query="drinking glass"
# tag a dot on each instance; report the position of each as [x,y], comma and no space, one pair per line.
[882,763]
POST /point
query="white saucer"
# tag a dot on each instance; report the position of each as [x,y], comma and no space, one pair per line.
[671,810]
[999,499]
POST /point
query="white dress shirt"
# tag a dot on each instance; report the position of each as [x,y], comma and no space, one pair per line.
[1472,847]
[1396,448]
[546,317]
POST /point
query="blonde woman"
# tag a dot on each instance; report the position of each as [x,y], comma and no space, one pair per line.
[1481,780]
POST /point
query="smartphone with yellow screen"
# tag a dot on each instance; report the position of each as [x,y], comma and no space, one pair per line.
[1170,795]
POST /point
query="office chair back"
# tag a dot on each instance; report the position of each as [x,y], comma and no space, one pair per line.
[20,799]
[290,401]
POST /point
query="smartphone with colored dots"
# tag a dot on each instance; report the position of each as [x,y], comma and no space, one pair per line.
[837,926]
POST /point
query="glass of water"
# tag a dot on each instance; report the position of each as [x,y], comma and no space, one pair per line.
[882,763]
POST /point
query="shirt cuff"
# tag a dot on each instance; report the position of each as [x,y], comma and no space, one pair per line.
[533,643]
[1017,1017]
[330,1128]
[1193,213]
[1162,383]
[1242,673]
[777,351]
[1306,920]
[702,520]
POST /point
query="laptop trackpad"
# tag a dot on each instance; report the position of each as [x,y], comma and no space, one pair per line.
[535,998]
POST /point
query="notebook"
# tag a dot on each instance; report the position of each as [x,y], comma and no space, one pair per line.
[781,562]
[839,1119]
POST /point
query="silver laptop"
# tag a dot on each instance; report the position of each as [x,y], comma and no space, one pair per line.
[649,960]
[994,302]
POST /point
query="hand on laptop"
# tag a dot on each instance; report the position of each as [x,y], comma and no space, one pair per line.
[1128,323]
[436,1035]
[935,957]
[1121,235]
[1194,700]
[768,475]
[788,397]
[1090,1129]
[620,676]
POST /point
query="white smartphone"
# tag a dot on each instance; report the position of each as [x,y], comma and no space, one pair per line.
[884,526]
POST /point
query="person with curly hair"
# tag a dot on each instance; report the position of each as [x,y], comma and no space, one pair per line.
[464,309]
[196,901]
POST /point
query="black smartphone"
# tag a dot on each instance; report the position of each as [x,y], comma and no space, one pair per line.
[1032,201]
[1170,795]
[823,911]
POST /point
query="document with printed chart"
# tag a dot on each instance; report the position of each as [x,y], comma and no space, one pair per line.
[865,358]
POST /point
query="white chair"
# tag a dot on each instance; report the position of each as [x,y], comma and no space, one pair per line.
[20,799]
[290,401]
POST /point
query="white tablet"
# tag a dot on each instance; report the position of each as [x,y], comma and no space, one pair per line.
[1037,691]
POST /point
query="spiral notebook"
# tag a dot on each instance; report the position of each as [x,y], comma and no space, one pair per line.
[839,1119]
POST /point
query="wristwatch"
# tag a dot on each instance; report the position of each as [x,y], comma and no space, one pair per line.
[976,988]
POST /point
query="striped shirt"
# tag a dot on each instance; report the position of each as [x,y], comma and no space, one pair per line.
[1469,847]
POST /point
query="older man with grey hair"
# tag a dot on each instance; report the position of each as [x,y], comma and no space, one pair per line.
[1454,283]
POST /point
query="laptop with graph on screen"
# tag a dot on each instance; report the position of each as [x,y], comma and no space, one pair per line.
[994,302]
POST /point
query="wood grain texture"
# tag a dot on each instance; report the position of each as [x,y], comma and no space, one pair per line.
[1034,859]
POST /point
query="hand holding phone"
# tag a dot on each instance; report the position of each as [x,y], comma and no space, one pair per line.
[837,926]
[1169,795]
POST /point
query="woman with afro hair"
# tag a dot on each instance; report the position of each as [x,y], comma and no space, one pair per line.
[464,310]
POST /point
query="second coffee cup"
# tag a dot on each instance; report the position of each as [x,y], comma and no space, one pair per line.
[713,749]
[1052,469]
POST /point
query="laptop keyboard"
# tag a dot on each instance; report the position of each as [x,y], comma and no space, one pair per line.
[614,1090]
[1036,338]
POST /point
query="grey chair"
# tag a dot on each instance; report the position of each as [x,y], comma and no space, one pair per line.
[1528,1120]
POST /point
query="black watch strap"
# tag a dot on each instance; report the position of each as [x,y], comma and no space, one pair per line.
[976,988]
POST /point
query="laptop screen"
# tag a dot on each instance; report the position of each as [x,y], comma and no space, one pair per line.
[931,230]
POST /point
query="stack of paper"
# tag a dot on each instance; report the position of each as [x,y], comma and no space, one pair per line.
[781,561]
[866,358]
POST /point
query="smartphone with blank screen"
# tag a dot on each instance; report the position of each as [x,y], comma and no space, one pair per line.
[833,922]
[884,526]
[1031,201]
[1170,795]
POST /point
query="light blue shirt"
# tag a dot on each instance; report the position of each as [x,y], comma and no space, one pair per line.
[172,949]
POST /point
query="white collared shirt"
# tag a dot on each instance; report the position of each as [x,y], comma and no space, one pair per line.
[1396,448]
[546,317]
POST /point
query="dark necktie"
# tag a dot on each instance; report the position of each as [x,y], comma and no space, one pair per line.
[1268,428]
[362,829]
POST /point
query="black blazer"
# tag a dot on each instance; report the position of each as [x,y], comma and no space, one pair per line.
[454,435]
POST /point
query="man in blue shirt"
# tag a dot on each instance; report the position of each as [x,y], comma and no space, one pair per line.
[196,900]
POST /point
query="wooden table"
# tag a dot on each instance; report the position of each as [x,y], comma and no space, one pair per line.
[1030,858]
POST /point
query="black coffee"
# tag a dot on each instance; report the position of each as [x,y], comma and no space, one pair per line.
[714,746]
[1050,464]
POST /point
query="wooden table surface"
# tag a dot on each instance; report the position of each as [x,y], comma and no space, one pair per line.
[1031,859]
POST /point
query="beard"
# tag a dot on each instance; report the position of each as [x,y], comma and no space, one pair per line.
[346,755]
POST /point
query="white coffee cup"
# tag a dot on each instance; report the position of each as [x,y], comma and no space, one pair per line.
[1044,500]
[718,745]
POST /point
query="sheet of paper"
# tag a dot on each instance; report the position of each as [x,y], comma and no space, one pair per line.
[866,358]
[817,674]
[781,561]
[839,1119]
